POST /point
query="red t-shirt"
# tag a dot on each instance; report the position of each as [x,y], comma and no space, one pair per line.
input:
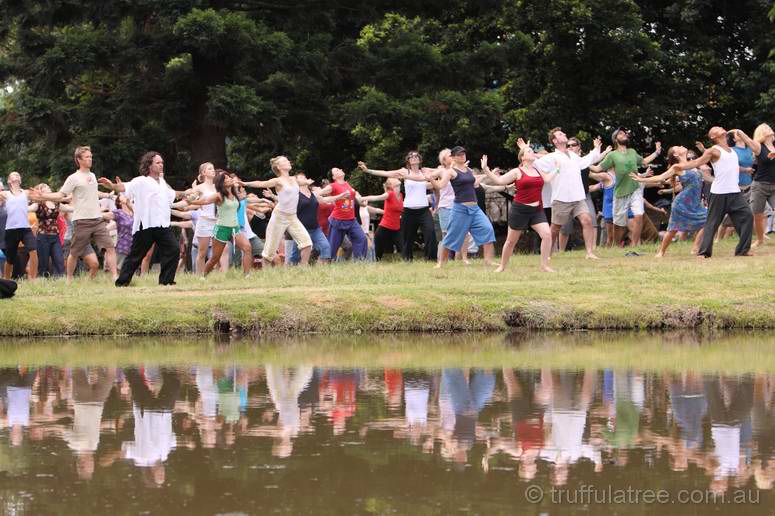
[528,189]
[324,211]
[343,208]
[391,219]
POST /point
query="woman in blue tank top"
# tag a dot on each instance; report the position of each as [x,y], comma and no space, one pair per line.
[467,217]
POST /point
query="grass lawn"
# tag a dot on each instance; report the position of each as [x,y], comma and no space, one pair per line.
[616,292]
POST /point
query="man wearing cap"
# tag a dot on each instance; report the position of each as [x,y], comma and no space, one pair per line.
[568,197]
[628,195]
[725,195]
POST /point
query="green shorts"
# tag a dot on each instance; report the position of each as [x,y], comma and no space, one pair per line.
[224,233]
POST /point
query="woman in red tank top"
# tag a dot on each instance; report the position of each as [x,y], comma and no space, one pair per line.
[527,210]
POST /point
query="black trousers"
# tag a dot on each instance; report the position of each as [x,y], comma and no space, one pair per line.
[385,240]
[418,218]
[735,205]
[167,247]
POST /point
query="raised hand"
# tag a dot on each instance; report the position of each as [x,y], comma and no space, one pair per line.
[700,146]
[658,147]
[362,166]
[483,161]
[608,149]
[597,142]
[521,143]
[107,183]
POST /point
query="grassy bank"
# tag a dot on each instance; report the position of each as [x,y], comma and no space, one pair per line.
[616,292]
[731,353]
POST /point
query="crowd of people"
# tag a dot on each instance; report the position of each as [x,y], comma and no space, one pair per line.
[722,425]
[129,226]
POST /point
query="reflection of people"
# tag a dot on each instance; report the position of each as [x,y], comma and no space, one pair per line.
[90,390]
[571,396]
[154,393]
[730,403]
[466,393]
[285,385]
[15,392]
[526,417]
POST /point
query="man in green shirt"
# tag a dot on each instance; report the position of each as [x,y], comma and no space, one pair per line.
[628,195]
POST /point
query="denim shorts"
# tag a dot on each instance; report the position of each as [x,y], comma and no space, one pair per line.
[468,219]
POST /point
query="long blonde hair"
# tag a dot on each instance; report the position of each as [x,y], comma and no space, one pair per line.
[762,132]
[202,168]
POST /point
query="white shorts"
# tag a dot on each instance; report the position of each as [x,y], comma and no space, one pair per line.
[629,203]
[204,227]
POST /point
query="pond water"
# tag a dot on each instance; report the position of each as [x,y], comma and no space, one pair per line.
[249,428]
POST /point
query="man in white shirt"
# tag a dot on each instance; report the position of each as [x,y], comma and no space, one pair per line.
[153,200]
[87,218]
[568,197]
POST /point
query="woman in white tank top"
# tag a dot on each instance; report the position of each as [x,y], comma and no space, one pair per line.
[204,187]
[284,216]
[17,228]
[417,213]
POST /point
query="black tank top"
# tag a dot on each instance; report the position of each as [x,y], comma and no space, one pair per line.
[463,186]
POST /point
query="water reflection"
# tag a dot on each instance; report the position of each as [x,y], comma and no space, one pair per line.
[145,426]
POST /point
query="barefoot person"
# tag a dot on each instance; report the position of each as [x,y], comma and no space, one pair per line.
[416,214]
[568,197]
[17,227]
[467,216]
[687,214]
[207,218]
[152,201]
[725,196]
[527,211]
[628,196]
[284,216]
[88,223]
[226,229]
[342,221]
[763,186]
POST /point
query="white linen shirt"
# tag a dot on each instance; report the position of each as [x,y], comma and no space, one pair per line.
[152,202]
[567,185]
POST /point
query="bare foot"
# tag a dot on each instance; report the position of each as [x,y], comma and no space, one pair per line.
[659,254]
[694,252]
[466,262]
[749,253]
[757,244]
[702,257]
[499,269]
[591,256]
[546,268]
[437,266]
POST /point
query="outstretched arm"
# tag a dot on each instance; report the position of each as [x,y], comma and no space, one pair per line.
[214,198]
[118,186]
[706,157]
[509,177]
[656,180]
[443,179]
[397,174]
[375,198]
[270,183]
[755,146]
[654,155]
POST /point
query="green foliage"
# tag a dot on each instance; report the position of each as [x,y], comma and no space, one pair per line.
[329,84]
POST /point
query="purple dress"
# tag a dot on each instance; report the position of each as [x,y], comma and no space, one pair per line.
[124,223]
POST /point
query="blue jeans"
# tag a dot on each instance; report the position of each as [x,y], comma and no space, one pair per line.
[468,219]
[353,230]
[49,247]
[319,244]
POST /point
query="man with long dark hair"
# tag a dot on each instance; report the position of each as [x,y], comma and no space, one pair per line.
[153,199]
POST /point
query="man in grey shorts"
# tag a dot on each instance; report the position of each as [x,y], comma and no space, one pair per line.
[568,198]
[88,223]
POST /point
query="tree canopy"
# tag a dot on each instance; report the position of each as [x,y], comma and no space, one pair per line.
[327,83]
